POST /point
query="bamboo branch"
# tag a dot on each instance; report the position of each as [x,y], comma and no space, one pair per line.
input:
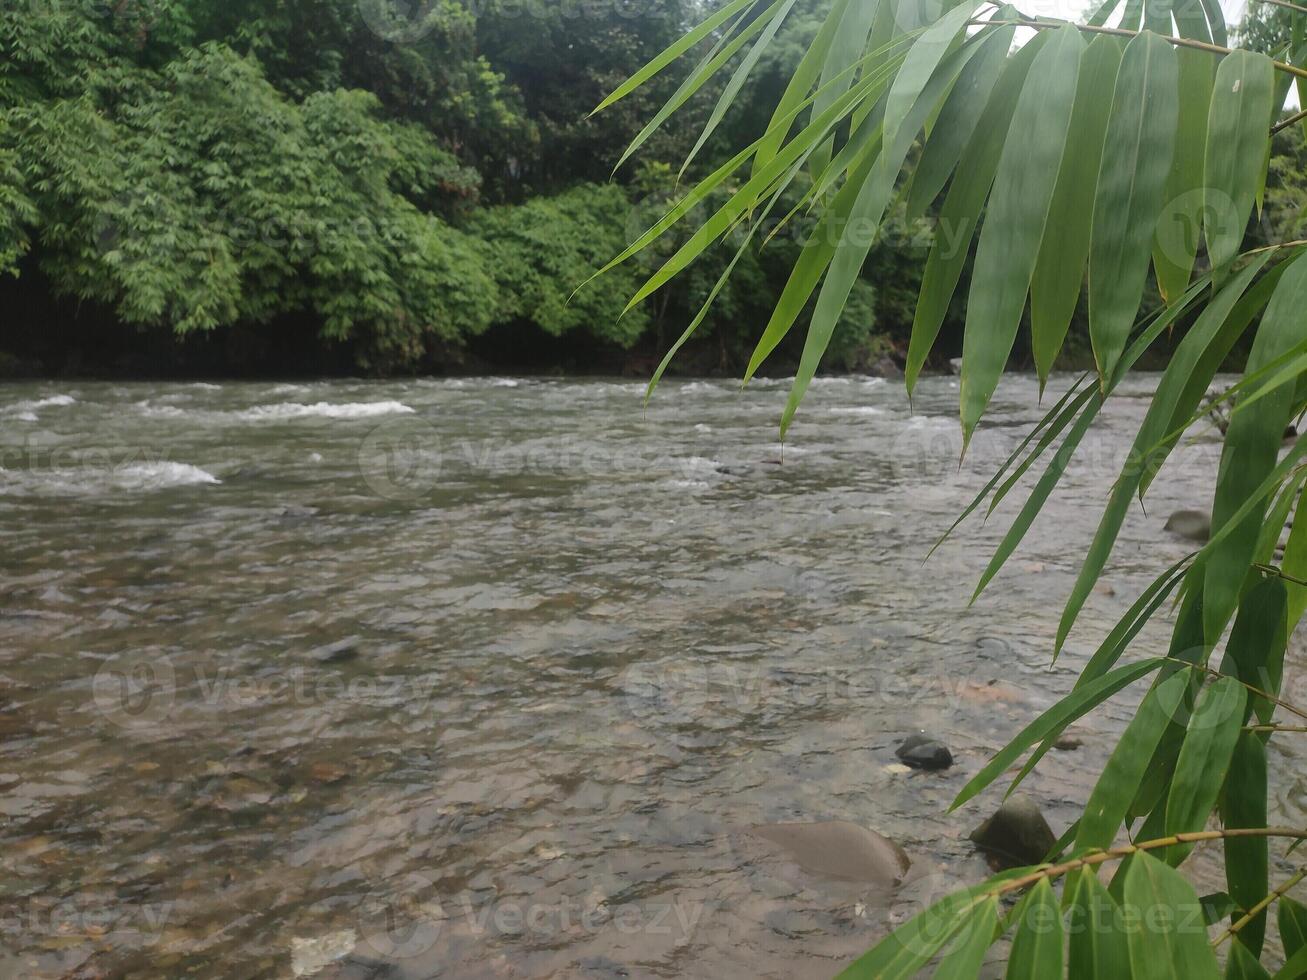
[1291,708]
[1179,42]
[1261,906]
[1285,4]
[1286,123]
[1300,729]
[1117,853]
[1276,572]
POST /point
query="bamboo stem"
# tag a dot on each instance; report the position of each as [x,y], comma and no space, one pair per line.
[1116,853]
[1286,123]
[1285,4]
[1291,708]
[1179,42]
[1261,906]
[1279,573]
[1300,729]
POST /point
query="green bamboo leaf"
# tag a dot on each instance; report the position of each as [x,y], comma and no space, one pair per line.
[1101,13]
[1037,946]
[1130,191]
[1157,16]
[960,214]
[1237,138]
[1199,374]
[1071,707]
[957,121]
[1136,617]
[1016,219]
[1060,271]
[674,51]
[1171,942]
[1132,18]
[911,946]
[1151,433]
[801,82]
[915,92]
[1294,564]
[1216,21]
[1097,948]
[1242,965]
[846,47]
[967,955]
[1243,804]
[1204,760]
[1125,769]
[1217,907]
[1175,242]
[1255,651]
[1252,446]
[1291,916]
[774,17]
[1191,20]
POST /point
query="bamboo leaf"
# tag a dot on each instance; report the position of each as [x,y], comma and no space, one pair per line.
[1130,191]
[916,90]
[1060,271]
[912,945]
[801,82]
[1129,625]
[960,214]
[1255,651]
[1204,760]
[1237,138]
[1151,432]
[1175,242]
[1116,787]
[1071,707]
[1096,948]
[1037,946]
[964,960]
[1171,944]
[1216,21]
[674,51]
[1016,219]
[1294,563]
[1291,916]
[1242,965]
[957,121]
[845,49]
[1243,804]
[1251,449]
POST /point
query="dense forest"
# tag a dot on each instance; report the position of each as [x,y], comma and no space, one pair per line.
[374,186]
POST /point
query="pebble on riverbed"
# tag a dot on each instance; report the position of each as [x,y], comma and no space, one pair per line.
[1192,525]
[923,752]
[1017,834]
[839,849]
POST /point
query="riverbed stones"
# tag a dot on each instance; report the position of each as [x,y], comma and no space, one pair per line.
[839,849]
[923,752]
[1192,525]
[1017,834]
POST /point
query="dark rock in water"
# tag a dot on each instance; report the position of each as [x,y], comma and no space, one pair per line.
[885,367]
[839,849]
[1192,525]
[923,752]
[1017,834]
[1067,743]
[338,652]
[955,365]
[1290,432]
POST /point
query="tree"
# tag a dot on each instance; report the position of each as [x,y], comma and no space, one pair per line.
[1093,153]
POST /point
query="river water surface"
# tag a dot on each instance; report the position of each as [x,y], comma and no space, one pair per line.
[491,677]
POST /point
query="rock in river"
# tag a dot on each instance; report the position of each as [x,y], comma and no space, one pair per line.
[923,752]
[1193,525]
[1017,834]
[839,849]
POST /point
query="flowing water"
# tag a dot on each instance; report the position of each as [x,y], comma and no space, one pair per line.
[491,677]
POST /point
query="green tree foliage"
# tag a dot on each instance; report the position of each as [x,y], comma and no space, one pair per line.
[1109,123]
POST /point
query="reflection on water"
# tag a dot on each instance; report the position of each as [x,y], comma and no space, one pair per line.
[490,677]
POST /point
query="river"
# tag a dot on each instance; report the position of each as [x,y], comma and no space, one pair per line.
[490,677]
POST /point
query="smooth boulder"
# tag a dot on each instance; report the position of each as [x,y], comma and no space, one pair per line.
[1017,834]
[839,849]
[1192,525]
[923,752]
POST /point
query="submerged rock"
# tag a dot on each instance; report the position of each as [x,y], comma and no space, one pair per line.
[338,652]
[923,752]
[1192,525]
[1017,834]
[839,849]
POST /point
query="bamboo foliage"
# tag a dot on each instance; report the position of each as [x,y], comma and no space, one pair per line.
[1076,162]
